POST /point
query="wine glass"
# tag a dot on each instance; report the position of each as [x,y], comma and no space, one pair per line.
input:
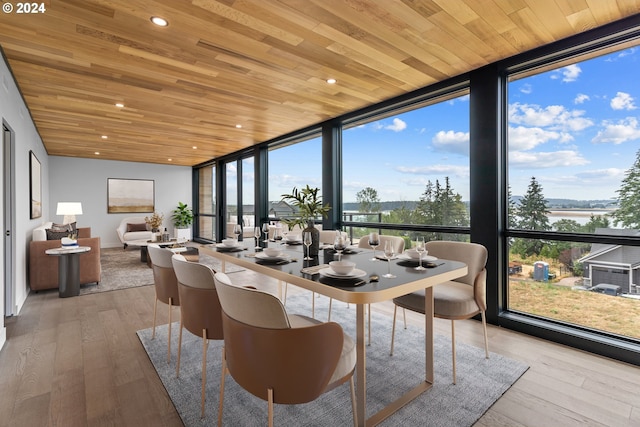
[307,239]
[339,244]
[389,252]
[420,248]
[256,233]
[237,230]
[277,234]
[374,241]
[265,230]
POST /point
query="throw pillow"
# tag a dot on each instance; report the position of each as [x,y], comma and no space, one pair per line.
[63,227]
[56,235]
[136,227]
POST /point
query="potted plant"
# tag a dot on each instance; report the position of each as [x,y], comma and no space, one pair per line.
[309,206]
[182,217]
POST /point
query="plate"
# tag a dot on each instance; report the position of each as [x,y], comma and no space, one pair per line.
[263,256]
[426,258]
[356,273]
[223,246]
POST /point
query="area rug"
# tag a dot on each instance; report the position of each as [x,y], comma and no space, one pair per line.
[122,269]
[480,381]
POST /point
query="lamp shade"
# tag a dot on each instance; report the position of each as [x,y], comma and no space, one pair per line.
[69,210]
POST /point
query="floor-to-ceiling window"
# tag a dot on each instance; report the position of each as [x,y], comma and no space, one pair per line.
[409,167]
[296,164]
[574,171]
[206,209]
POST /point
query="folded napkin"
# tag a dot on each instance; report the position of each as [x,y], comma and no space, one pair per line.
[314,269]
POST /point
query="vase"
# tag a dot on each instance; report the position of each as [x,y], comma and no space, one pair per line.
[315,239]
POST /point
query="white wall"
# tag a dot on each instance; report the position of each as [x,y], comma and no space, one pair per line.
[85,181]
[14,113]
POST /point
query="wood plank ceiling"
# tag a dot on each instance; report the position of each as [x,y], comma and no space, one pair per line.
[260,64]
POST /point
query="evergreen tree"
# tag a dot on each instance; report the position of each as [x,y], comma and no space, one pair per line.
[596,221]
[512,211]
[532,210]
[628,214]
[532,214]
[368,200]
[441,206]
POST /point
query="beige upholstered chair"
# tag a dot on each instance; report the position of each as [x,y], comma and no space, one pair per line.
[280,358]
[166,285]
[199,309]
[398,246]
[458,299]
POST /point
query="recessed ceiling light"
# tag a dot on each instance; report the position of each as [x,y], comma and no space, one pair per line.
[194,147]
[97,153]
[104,137]
[170,160]
[239,126]
[160,22]
[331,81]
[120,105]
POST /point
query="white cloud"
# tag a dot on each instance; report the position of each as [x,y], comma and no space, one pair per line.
[397,126]
[617,133]
[439,170]
[456,142]
[524,138]
[544,160]
[601,174]
[569,73]
[556,117]
[526,88]
[623,101]
[581,98]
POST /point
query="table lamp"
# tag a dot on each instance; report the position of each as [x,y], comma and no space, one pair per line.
[69,210]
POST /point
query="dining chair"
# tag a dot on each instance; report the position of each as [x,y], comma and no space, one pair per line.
[199,309]
[398,247]
[280,357]
[457,299]
[166,286]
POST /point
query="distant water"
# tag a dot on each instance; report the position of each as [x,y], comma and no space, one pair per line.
[579,215]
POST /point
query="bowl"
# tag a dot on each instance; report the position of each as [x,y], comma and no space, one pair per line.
[229,242]
[415,254]
[292,237]
[342,267]
[272,252]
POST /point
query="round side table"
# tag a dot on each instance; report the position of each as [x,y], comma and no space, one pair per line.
[68,269]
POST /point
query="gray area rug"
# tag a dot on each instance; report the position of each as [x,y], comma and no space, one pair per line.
[122,269]
[480,381]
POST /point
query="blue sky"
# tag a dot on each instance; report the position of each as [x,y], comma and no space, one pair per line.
[576,129]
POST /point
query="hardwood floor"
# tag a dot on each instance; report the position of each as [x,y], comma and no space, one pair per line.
[77,361]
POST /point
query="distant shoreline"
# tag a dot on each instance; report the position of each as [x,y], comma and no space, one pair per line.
[580,212]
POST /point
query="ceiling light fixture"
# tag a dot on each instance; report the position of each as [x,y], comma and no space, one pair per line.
[239,126]
[120,105]
[331,81]
[194,147]
[97,153]
[160,22]
[104,137]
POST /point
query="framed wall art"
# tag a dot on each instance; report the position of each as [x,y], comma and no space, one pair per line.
[35,186]
[130,195]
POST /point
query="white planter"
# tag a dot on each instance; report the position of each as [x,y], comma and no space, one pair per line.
[182,233]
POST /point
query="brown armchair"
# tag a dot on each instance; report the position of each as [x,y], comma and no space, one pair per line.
[280,358]
[43,268]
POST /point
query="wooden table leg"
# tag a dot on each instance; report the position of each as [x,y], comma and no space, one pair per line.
[361,367]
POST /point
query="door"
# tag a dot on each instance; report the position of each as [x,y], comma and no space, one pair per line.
[6,251]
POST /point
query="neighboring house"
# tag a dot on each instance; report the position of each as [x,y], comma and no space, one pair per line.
[614,264]
[281,210]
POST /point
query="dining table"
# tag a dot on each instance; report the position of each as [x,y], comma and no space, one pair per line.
[366,287]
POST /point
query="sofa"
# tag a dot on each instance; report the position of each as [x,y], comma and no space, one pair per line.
[43,268]
[133,228]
